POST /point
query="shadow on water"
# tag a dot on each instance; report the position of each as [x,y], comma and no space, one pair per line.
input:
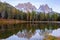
[10,29]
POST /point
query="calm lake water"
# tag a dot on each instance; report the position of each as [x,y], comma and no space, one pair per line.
[26,30]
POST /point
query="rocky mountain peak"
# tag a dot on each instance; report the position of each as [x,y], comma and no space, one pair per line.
[26,7]
[45,8]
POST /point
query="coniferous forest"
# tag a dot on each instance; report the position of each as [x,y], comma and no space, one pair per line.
[11,15]
[9,12]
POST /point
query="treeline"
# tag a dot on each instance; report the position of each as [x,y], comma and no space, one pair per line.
[9,12]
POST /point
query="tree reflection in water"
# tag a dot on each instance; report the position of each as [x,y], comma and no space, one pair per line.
[10,29]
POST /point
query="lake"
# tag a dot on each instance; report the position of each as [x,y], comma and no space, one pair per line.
[26,30]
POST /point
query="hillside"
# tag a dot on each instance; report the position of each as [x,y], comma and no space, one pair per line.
[9,12]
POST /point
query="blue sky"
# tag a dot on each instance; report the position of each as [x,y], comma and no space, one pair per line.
[54,4]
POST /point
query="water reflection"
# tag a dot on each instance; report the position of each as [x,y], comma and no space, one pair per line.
[26,29]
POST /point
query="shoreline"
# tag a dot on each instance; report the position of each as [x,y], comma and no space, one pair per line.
[14,21]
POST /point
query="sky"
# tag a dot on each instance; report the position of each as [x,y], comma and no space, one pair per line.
[54,4]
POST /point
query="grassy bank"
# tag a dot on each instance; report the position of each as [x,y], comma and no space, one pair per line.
[14,21]
[9,21]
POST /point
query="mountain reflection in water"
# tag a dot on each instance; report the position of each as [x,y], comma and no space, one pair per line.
[24,35]
[27,30]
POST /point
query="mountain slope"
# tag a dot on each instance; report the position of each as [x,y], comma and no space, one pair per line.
[8,11]
[45,9]
[26,7]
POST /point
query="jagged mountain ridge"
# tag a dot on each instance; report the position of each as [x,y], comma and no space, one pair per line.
[45,9]
[29,7]
[26,7]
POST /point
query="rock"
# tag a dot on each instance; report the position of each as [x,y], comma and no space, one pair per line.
[25,7]
[44,8]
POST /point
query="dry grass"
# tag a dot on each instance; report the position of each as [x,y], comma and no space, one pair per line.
[9,21]
[49,37]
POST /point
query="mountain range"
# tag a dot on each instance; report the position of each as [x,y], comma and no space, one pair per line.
[25,7]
